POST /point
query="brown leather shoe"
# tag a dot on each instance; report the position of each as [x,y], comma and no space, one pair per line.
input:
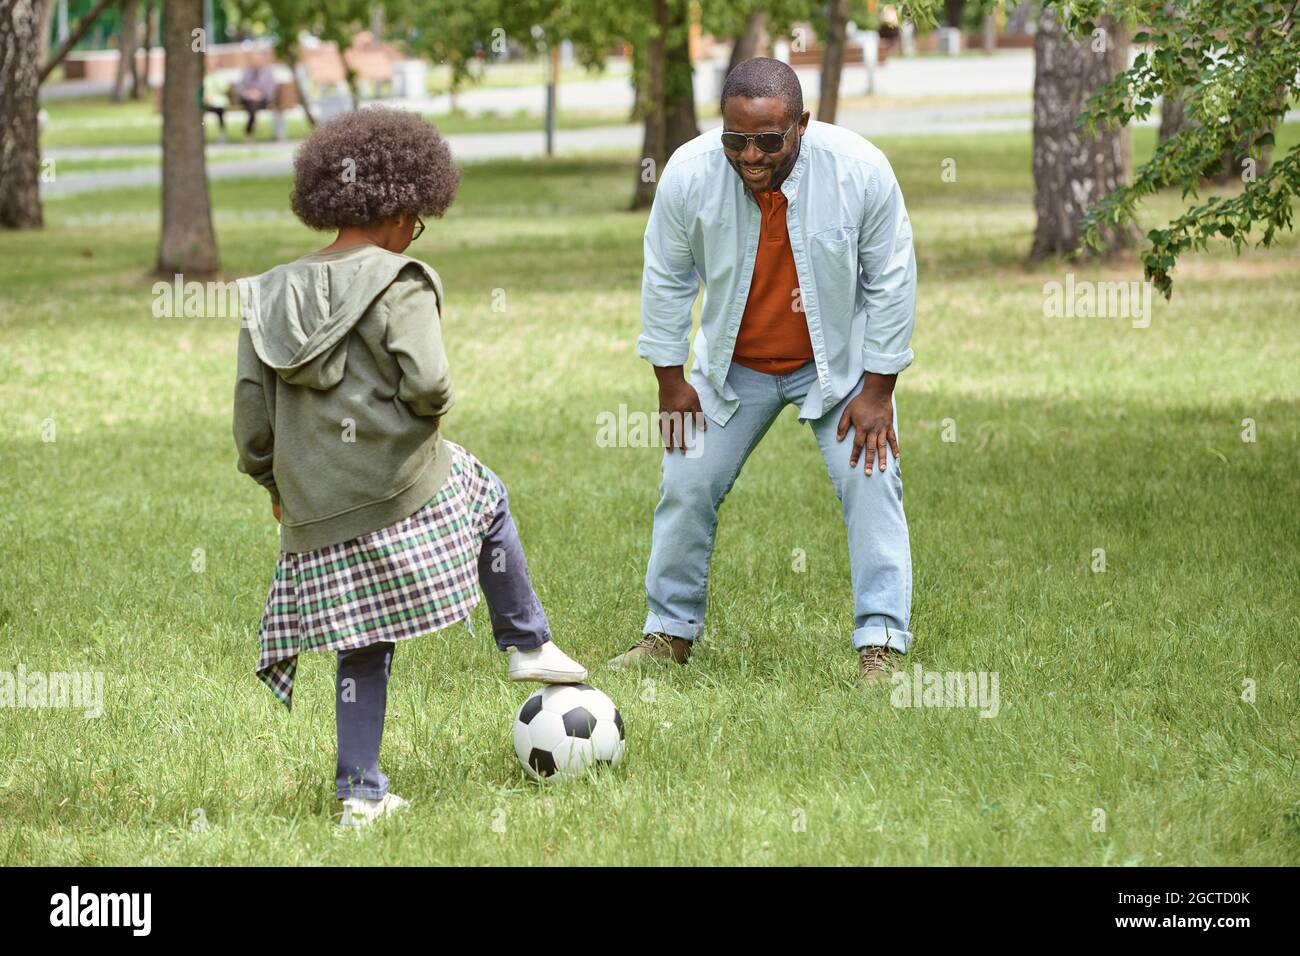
[876,665]
[659,648]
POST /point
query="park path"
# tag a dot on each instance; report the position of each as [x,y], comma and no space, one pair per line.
[276,159]
[1006,72]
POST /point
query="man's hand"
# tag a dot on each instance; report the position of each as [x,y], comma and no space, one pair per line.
[275,510]
[678,403]
[871,415]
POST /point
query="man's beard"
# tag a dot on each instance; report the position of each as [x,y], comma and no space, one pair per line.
[779,173]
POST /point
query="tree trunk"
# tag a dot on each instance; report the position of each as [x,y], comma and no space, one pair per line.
[1173,105]
[1018,18]
[990,36]
[47,21]
[1173,116]
[952,10]
[679,86]
[828,102]
[750,41]
[152,31]
[20,152]
[1228,168]
[651,95]
[188,244]
[669,95]
[1072,173]
[129,43]
[298,71]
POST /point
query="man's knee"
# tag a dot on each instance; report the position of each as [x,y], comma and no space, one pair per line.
[691,482]
[853,480]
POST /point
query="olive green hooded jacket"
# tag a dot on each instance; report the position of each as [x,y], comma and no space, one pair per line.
[342,380]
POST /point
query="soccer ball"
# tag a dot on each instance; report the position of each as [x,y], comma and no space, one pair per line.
[563,729]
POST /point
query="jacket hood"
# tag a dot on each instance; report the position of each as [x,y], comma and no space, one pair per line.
[298,315]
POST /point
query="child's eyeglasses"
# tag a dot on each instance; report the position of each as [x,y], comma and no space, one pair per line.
[419,228]
[767,142]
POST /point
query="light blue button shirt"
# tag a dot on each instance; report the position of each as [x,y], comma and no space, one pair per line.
[852,245]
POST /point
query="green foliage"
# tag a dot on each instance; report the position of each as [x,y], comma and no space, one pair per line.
[1234,64]
[455,33]
[330,20]
[728,19]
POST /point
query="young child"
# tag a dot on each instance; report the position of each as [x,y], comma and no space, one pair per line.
[387,530]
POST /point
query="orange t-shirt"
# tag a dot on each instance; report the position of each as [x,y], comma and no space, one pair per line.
[773,336]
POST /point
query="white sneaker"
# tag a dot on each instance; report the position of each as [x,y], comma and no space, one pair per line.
[362,811]
[547,665]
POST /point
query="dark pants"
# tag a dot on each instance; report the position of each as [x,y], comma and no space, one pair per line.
[361,684]
[221,114]
[252,105]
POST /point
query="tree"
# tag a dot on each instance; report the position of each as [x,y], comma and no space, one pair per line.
[1173,116]
[1074,170]
[666,93]
[751,22]
[24,66]
[129,43]
[47,21]
[20,157]
[833,59]
[459,35]
[1234,64]
[749,40]
[188,244]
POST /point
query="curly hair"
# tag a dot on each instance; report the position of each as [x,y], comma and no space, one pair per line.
[367,166]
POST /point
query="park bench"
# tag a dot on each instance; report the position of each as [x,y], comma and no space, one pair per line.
[322,71]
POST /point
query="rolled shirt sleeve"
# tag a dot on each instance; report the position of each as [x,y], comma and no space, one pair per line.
[669,280]
[889,265]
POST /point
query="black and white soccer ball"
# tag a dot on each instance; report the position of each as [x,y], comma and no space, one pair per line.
[564,729]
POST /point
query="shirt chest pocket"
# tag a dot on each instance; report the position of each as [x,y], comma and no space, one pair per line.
[833,256]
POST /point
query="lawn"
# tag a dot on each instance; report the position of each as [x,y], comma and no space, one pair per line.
[1148,714]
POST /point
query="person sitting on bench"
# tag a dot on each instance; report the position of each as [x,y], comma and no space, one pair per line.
[255,91]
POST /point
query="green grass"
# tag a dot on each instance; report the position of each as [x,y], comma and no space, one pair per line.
[1120,691]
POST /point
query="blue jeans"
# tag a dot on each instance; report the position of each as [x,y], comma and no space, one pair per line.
[361,683]
[693,486]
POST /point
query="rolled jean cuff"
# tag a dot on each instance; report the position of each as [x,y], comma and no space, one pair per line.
[657,624]
[874,635]
[522,643]
[369,793]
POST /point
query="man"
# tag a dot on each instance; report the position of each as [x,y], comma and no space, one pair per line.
[799,234]
[255,91]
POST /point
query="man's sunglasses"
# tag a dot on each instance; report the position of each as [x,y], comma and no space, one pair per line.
[419,228]
[767,142]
